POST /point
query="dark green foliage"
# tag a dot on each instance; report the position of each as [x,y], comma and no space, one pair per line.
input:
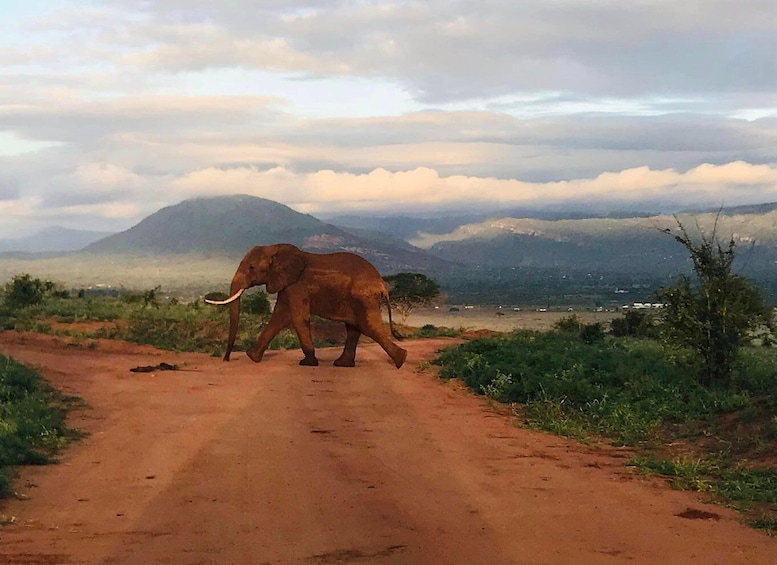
[634,323]
[23,291]
[411,290]
[430,330]
[621,389]
[146,297]
[569,324]
[714,316]
[31,420]
[256,303]
[573,325]
[633,392]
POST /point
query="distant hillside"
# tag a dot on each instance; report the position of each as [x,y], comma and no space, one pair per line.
[747,209]
[54,239]
[233,224]
[408,227]
[631,245]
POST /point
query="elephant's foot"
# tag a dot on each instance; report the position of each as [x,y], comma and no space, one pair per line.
[345,362]
[309,361]
[255,355]
[399,360]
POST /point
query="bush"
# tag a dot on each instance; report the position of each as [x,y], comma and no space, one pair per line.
[624,390]
[257,303]
[574,325]
[23,291]
[714,316]
[634,323]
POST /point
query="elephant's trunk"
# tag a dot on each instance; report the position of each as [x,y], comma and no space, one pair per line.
[234,319]
[237,288]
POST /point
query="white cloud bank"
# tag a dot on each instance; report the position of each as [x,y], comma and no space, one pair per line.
[424,188]
[119,198]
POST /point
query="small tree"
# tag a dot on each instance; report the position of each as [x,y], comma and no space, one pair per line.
[23,291]
[409,291]
[713,316]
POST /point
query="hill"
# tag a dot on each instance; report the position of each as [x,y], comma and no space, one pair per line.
[54,239]
[620,245]
[233,224]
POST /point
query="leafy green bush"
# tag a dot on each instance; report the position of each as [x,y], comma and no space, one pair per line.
[31,420]
[256,303]
[620,389]
[634,323]
[430,330]
[714,315]
[23,291]
[574,325]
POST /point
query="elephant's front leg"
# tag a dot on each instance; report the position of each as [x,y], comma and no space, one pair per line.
[280,319]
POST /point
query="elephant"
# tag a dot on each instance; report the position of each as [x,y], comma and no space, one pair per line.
[338,286]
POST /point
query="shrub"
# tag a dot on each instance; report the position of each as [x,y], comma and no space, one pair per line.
[714,316]
[23,291]
[574,325]
[634,323]
[619,389]
[257,303]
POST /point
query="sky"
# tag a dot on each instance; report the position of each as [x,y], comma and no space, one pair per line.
[110,111]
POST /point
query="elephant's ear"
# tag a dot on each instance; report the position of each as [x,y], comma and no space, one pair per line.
[286,267]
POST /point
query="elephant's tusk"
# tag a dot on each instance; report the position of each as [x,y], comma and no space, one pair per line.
[228,300]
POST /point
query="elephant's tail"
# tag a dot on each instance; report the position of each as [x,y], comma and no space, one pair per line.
[394,332]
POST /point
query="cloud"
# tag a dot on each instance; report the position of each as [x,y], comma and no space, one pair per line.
[382,190]
[443,50]
[439,50]
[111,110]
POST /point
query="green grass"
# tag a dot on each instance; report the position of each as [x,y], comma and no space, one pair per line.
[32,427]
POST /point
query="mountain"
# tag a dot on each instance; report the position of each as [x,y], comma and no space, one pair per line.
[231,225]
[629,245]
[408,227]
[54,239]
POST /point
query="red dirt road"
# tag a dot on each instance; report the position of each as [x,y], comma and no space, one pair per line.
[237,463]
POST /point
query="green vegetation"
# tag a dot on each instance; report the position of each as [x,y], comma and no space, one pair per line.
[699,406]
[430,330]
[714,317]
[576,381]
[32,425]
[145,317]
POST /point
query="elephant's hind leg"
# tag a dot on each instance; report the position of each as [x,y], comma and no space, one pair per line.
[376,330]
[348,358]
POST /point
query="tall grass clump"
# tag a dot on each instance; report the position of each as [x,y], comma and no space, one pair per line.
[32,426]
